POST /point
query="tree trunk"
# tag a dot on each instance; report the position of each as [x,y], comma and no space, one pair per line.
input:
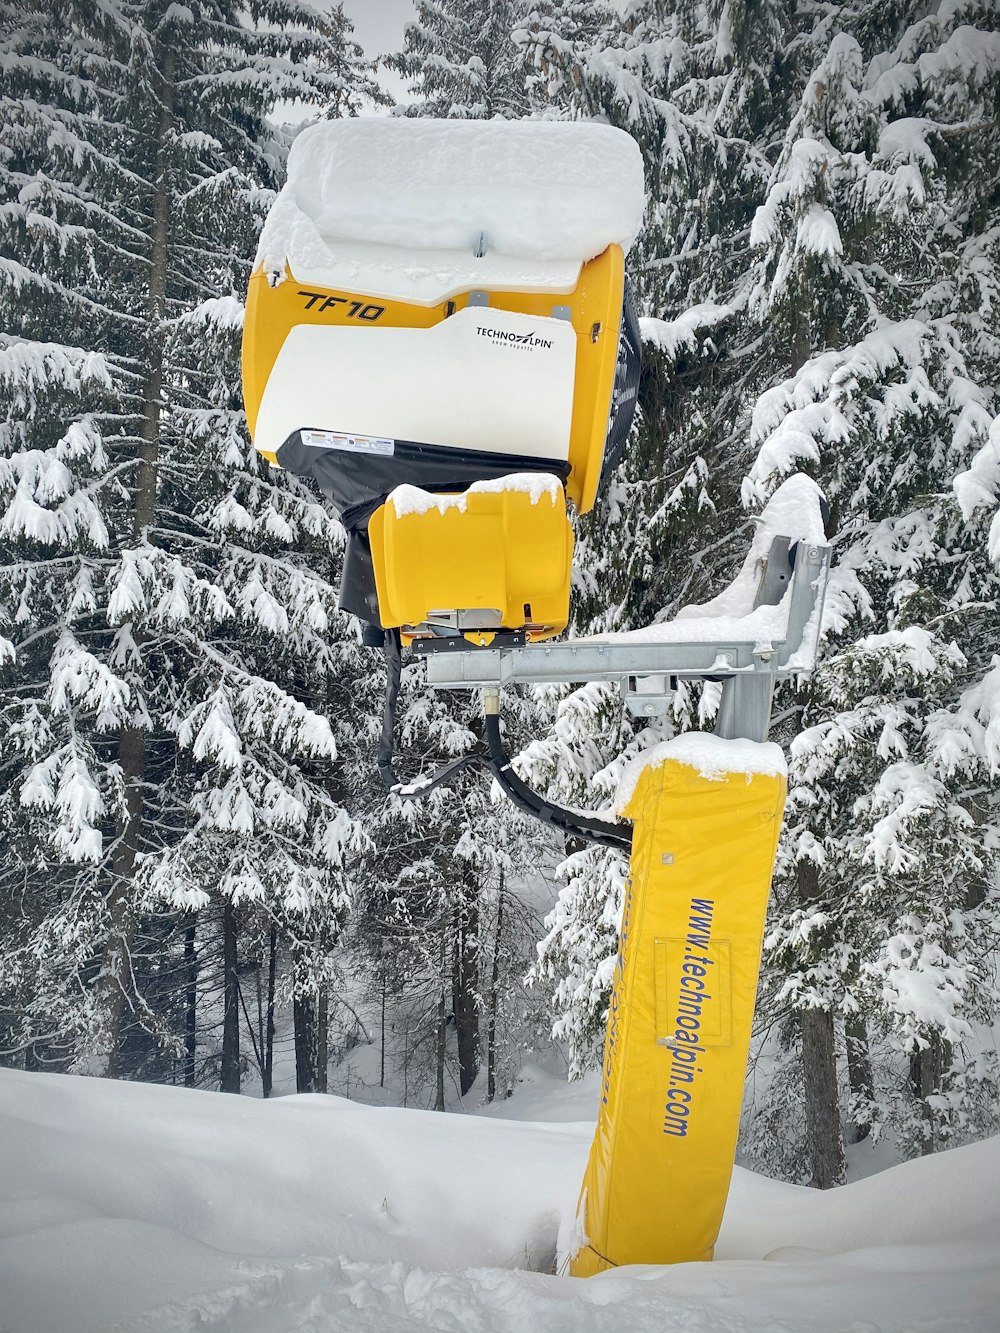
[267,1074]
[190,1002]
[859,1071]
[259,1031]
[304,1020]
[149,432]
[442,1020]
[979,883]
[927,1070]
[824,1138]
[230,1081]
[115,982]
[381,1076]
[491,1028]
[406,1064]
[116,977]
[801,348]
[824,1134]
[466,978]
[322,1039]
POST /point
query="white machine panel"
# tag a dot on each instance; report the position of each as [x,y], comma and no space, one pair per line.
[484,379]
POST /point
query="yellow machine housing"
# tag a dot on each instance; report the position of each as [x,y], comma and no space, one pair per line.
[595,310]
[493,554]
[506,555]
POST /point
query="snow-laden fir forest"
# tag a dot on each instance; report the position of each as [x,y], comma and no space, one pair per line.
[202,882]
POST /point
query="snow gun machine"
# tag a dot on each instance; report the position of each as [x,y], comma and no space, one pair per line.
[439,333]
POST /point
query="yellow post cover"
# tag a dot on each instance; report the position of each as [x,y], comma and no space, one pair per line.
[706,815]
[488,548]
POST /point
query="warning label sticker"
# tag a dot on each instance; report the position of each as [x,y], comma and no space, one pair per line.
[349,444]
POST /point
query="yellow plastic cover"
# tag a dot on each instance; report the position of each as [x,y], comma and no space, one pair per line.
[681,1010]
[508,551]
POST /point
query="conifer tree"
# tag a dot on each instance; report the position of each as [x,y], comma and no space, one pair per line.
[884,911]
[462,62]
[166,600]
[831,312]
[556,37]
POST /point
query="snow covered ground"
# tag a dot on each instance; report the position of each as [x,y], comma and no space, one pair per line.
[138,1207]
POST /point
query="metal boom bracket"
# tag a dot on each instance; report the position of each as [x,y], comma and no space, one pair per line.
[647,670]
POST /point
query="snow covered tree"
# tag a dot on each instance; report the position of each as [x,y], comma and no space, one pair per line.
[874,246]
[166,602]
[439,904]
[817,273]
[663,534]
[356,88]
[556,37]
[461,60]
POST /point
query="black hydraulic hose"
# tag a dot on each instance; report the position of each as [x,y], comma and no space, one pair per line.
[575,825]
[496,761]
[424,786]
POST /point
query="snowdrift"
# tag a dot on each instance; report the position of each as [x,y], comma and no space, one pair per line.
[139,1207]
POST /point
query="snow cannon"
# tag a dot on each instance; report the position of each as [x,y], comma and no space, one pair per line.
[439,332]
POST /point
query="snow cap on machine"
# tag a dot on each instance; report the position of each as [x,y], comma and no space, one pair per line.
[539,190]
[713,757]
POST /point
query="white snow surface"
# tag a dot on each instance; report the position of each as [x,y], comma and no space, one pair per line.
[407,499]
[537,189]
[713,757]
[133,1207]
[404,207]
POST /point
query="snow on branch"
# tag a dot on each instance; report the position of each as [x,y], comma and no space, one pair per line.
[819,406]
[219,312]
[979,487]
[164,591]
[683,334]
[247,710]
[28,369]
[64,784]
[923,986]
[42,504]
[79,678]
